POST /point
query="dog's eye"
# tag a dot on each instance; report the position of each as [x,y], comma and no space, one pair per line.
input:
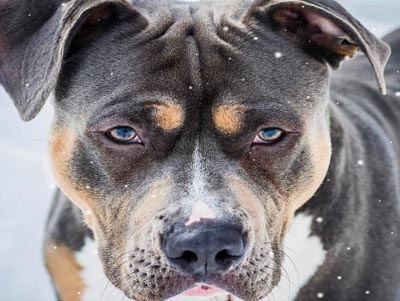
[269,136]
[123,134]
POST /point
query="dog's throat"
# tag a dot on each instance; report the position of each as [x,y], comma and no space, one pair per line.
[306,256]
[98,287]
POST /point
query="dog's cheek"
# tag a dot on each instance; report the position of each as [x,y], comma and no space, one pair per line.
[61,148]
[320,152]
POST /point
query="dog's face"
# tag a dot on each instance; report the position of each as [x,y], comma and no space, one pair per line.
[189,141]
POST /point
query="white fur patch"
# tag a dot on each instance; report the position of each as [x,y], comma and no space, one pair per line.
[200,199]
[307,255]
[98,287]
[200,211]
[198,186]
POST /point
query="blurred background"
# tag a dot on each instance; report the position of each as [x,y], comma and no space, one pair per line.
[26,184]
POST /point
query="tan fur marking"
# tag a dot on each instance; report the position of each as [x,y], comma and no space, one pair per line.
[228,118]
[65,272]
[62,143]
[169,116]
[321,152]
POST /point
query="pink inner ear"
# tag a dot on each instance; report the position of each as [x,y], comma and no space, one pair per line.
[324,24]
[316,23]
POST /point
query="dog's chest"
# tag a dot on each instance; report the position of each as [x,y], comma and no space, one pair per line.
[306,256]
[98,287]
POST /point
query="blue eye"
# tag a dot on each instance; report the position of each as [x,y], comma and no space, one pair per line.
[123,134]
[269,136]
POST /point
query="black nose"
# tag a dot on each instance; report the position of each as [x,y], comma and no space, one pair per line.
[204,248]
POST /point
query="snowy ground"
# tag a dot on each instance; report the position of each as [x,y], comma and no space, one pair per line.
[26,185]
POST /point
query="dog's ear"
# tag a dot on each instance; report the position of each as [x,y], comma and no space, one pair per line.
[35,37]
[324,28]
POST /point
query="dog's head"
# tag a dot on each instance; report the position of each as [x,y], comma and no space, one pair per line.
[188,133]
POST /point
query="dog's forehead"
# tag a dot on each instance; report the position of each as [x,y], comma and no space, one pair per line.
[191,54]
[211,5]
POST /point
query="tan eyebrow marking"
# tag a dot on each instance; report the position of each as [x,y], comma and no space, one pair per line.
[168,115]
[228,118]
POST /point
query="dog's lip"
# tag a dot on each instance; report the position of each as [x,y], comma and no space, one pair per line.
[205,292]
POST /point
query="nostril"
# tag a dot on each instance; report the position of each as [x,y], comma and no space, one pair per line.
[189,257]
[188,261]
[224,257]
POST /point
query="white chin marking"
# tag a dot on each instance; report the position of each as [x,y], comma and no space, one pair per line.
[98,287]
[307,254]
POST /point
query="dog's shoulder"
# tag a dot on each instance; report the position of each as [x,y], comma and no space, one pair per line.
[71,255]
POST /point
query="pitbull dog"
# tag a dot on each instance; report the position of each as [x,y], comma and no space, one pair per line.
[188,134]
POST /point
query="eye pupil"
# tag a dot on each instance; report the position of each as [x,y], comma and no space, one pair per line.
[123,134]
[270,135]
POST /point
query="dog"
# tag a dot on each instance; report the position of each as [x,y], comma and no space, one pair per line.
[191,137]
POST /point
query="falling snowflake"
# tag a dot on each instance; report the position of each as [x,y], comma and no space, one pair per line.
[278,54]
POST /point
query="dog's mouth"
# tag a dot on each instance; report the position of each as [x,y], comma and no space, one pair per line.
[205,292]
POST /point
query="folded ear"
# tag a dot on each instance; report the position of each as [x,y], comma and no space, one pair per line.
[35,37]
[325,27]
